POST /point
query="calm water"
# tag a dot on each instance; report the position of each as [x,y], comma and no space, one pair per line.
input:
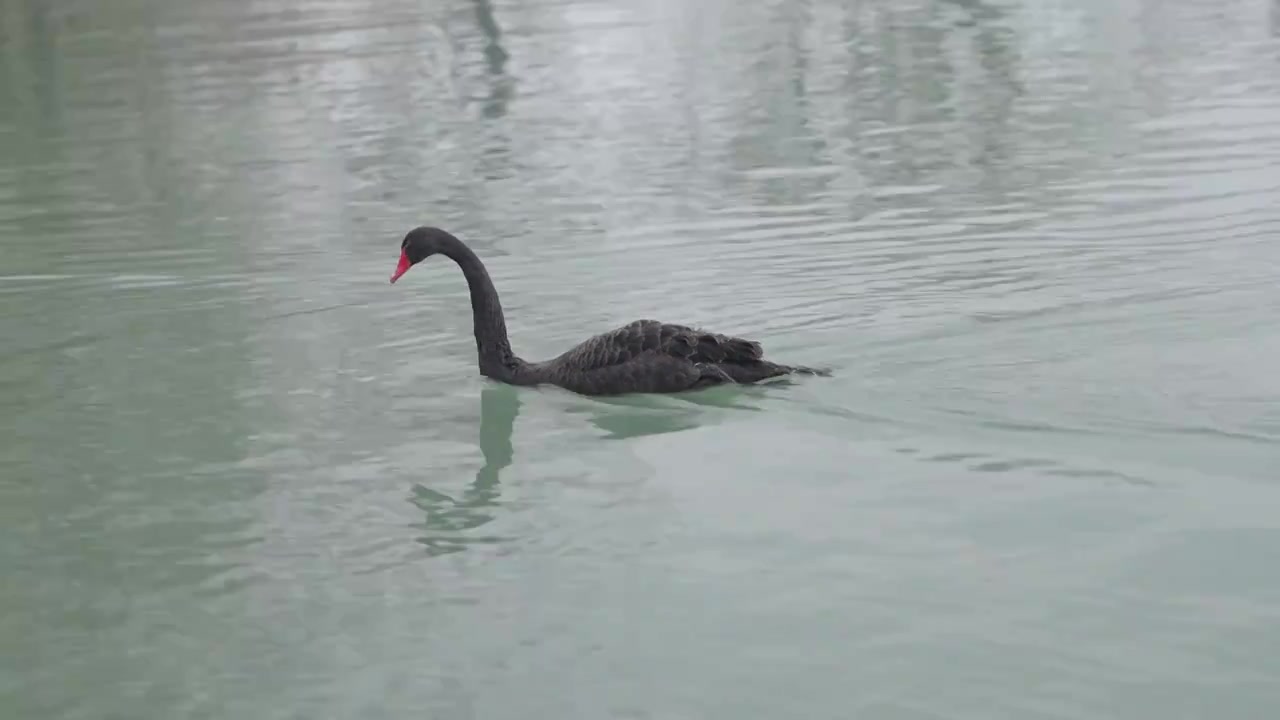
[241,476]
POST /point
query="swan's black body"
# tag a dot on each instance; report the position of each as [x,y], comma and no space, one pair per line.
[645,356]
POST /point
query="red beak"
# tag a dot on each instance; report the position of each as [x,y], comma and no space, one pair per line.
[402,267]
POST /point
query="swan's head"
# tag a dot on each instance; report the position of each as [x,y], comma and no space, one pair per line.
[420,244]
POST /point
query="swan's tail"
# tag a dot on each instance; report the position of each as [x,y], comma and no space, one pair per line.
[759,370]
[804,370]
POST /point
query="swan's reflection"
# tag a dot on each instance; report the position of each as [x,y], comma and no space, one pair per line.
[496,57]
[449,519]
[640,415]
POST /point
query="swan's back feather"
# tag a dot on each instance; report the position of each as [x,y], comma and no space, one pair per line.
[653,338]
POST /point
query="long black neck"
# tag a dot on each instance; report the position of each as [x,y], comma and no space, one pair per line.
[496,359]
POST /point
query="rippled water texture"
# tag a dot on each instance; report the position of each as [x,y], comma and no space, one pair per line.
[241,476]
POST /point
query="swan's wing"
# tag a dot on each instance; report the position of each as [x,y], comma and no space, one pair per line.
[646,373]
[612,348]
[633,340]
[709,347]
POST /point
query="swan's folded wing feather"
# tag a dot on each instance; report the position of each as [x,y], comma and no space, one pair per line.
[709,347]
[614,347]
[629,342]
[647,373]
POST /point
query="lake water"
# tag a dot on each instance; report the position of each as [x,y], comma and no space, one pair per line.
[242,476]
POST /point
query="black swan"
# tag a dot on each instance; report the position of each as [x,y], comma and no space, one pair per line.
[645,356]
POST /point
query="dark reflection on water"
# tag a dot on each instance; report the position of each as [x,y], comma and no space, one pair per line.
[449,520]
[627,417]
[502,86]
[623,424]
